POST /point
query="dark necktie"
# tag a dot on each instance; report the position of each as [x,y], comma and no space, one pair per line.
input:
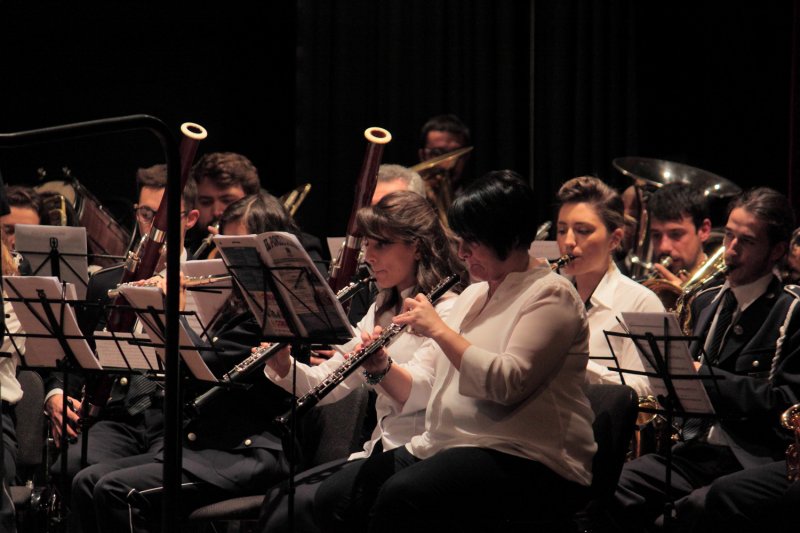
[698,427]
[727,309]
[139,395]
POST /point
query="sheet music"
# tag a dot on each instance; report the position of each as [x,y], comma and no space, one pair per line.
[248,271]
[35,242]
[206,300]
[114,350]
[691,392]
[44,351]
[312,306]
[144,298]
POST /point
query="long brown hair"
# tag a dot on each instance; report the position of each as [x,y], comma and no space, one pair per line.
[408,217]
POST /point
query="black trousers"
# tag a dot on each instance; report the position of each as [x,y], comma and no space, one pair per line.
[642,491]
[460,489]
[752,500]
[275,517]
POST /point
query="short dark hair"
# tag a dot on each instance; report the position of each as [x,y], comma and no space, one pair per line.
[155,177]
[227,169]
[449,123]
[606,202]
[497,211]
[770,206]
[675,200]
[20,196]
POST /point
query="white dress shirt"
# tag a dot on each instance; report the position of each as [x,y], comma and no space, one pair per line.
[10,389]
[520,389]
[615,294]
[394,428]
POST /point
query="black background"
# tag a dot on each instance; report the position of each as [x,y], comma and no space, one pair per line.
[550,88]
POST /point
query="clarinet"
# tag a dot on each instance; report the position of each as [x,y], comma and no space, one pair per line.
[304,403]
[260,357]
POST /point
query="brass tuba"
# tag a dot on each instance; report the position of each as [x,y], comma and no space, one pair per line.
[790,419]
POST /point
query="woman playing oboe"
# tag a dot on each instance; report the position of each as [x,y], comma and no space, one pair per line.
[409,252]
[507,423]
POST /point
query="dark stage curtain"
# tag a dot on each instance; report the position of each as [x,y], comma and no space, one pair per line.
[394,64]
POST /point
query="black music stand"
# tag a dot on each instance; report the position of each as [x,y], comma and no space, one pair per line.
[52,313]
[55,341]
[291,301]
[657,352]
[58,251]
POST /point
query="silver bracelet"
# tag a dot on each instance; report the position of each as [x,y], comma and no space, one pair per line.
[374,379]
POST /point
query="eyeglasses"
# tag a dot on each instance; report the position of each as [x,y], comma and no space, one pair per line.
[146,214]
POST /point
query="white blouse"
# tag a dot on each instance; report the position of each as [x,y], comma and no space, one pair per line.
[10,389]
[520,389]
[615,294]
[394,428]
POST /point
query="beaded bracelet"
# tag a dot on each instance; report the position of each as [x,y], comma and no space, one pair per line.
[374,379]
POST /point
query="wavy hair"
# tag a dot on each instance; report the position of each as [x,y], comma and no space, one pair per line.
[407,217]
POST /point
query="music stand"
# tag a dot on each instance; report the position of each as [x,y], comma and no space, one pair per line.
[668,363]
[58,251]
[44,307]
[292,303]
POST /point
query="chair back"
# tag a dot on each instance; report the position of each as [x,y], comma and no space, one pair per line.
[615,408]
[333,431]
[30,420]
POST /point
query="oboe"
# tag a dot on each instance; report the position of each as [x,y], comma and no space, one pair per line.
[260,357]
[304,403]
[561,262]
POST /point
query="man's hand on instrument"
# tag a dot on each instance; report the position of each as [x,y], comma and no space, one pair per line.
[664,273]
[53,408]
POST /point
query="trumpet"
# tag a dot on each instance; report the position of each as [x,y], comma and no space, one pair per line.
[304,403]
[189,282]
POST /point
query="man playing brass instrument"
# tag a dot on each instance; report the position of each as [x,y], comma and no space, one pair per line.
[749,332]
[679,227]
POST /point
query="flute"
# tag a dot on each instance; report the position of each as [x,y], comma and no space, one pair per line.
[189,281]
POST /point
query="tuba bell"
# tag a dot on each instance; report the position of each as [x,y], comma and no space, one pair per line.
[790,419]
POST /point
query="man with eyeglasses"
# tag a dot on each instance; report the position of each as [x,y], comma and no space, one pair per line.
[132,421]
[442,134]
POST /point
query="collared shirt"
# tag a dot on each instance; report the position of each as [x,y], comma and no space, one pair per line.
[520,387]
[615,294]
[395,425]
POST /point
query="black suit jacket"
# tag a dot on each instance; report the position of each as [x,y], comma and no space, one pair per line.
[760,366]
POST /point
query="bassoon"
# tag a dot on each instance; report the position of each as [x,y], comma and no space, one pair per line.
[344,266]
[140,264]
